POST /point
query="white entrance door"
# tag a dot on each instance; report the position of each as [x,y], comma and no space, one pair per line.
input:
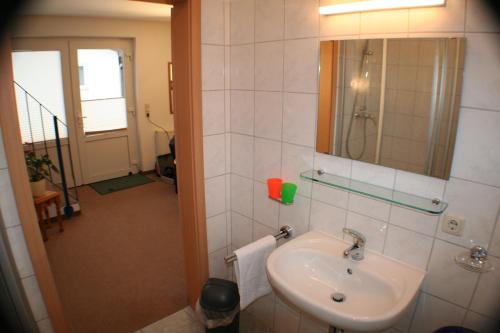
[104,106]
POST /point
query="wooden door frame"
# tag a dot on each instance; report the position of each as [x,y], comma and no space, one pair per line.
[186,53]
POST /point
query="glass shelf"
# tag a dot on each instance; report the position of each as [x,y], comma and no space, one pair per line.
[426,205]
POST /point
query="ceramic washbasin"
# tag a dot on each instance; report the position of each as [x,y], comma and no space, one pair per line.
[308,270]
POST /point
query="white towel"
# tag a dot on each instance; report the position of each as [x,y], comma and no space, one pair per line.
[250,270]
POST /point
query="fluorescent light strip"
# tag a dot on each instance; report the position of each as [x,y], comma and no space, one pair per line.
[368,5]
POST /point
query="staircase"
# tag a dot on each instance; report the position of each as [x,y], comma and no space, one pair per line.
[44,133]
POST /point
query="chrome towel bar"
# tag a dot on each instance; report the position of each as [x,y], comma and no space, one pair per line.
[286,231]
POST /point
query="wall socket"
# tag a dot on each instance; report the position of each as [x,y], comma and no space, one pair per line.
[147,108]
[453,225]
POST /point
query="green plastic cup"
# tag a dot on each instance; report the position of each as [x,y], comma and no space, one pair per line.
[288,191]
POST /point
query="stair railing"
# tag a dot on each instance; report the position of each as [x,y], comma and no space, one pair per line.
[42,137]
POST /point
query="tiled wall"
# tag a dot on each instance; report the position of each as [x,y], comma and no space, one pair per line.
[260,60]
[18,247]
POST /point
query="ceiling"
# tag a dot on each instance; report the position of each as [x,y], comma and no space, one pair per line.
[105,8]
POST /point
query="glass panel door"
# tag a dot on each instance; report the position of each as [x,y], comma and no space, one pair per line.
[38,73]
[102,90]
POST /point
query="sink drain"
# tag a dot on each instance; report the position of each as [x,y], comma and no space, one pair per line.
[338,297]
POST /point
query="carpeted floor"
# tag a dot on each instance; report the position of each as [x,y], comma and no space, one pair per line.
[119,265]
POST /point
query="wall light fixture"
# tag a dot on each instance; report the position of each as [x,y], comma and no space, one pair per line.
[343,6]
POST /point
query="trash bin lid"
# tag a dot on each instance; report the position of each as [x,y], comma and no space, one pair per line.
[454,329]
[219,295]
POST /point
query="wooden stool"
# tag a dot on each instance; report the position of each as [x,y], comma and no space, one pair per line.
[42,204]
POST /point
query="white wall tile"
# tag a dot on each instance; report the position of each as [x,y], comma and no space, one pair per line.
[267,159]
[333,164]
[286,320]
[373,174]
[269,20]
[216,232]
[242,196]
[311,325]
[447,18]
[299,119]
[8,206]
[328,219]
[433,313]
[300,73]
[296,159]
[479,323]
[228,151]
[301,18]
[212,22]
[242,111]
[242,21]
[34,297]
[214,155]
[269,66]
[19,250]
[227,110]
[494,248]
[229,230]
[478,204]
[242,155]
[370,207]
[387,21]
[266,211]
[296,214]
[404,322]
[301,65]
[477,156]
[480,17]
[213,112]
[244,226]
[215,199]
[212,67]
[486,300]
[445,279]
[263,309]
[216,264]
[260,230]
[482,69]
[372,229]
[429,187]
[330,195]
[413,220]
[339,25]
[242,67]
[268,114]
[408,246]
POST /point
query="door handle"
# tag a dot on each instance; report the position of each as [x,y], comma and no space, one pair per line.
[80,122]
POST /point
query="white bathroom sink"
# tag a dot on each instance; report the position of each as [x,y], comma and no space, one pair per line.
[311,268]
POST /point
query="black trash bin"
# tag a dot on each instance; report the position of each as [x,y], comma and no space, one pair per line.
[219,305]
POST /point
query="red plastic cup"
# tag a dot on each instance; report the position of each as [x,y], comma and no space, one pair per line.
[274,187]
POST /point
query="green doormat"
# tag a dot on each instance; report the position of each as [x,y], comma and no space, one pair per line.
[120,183]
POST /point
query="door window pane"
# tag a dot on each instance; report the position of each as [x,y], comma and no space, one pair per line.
[39,73]
[101,90]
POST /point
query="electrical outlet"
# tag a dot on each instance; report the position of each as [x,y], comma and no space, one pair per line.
[453,225]
[146,109]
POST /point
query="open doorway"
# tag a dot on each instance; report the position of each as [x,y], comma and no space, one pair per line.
[119,264]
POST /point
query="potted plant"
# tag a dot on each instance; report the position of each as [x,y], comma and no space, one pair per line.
[38,170]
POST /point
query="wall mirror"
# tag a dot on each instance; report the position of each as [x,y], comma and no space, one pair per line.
[392,102]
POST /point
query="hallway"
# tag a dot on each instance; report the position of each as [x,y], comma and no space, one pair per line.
[119,265]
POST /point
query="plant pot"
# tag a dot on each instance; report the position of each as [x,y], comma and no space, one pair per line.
[38,188]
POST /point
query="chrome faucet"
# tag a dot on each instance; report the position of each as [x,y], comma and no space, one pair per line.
[356,251]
